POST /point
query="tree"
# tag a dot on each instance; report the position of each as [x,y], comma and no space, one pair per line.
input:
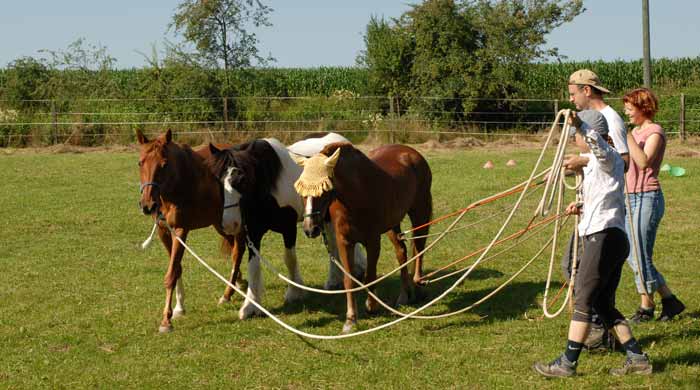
[25,81]
[220,32]
[455,50]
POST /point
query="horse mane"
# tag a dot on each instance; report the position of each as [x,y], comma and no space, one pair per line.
[257,159]
[347,151]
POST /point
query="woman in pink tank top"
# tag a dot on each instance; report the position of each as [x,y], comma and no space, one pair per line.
[647,144]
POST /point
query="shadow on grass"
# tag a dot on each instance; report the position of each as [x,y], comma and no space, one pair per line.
[686,359]
[657,337]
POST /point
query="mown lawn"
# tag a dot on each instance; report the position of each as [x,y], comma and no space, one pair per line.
[80,303]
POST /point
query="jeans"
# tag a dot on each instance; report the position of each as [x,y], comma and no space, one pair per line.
[647,209]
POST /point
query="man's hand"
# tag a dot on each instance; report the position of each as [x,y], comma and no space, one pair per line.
[574,162]
[573,209]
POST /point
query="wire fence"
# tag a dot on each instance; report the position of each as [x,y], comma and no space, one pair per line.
[94,121]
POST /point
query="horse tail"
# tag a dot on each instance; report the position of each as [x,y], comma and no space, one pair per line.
[225,247]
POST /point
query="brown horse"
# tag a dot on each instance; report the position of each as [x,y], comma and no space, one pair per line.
[177,186]
[364,198]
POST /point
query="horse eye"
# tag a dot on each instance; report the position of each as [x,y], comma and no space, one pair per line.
[140,163]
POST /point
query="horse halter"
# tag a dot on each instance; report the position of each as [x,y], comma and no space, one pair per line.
[228,206]
[150,183]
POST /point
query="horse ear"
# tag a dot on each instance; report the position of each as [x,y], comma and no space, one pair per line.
[213,149]
[168,136]
[300,160]
[141,137]
[333,159]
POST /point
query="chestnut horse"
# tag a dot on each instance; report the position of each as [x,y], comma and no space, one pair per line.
[178,187]
[366,197]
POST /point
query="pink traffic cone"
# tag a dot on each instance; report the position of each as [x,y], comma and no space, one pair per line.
[488,165]
[511,163]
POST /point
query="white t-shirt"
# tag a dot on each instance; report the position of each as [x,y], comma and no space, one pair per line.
[602,187]
[616,129]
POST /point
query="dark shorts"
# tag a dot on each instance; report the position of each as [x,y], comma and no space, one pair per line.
[603,255]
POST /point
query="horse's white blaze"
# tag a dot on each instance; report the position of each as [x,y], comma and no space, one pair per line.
[255,291]
[290,260]
[231,220]
[308,209]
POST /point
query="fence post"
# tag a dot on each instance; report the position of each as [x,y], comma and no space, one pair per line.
[682,118]
[225,104]
[556,106]
[393,116]
[54,123]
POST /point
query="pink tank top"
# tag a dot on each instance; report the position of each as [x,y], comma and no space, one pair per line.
[643,180]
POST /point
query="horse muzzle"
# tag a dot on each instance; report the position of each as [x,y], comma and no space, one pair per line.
[312,231]
[148,208]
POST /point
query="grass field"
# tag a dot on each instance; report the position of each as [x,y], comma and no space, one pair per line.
[80,303]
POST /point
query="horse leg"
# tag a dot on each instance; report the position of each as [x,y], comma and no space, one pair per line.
[400,249]
[347,253]
[170,279]
[335,275]
[255,283]
[167,241]
[237,244]
[420,216]
[179,309]
[293,293]
[373,248]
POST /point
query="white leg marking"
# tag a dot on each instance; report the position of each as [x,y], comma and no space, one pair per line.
[255,290]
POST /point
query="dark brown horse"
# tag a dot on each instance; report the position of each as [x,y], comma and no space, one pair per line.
[178,186]
[366,197]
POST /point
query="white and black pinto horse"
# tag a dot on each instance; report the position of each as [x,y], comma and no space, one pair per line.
[258,180]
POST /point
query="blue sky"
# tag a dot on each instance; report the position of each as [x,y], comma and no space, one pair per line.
[325,32]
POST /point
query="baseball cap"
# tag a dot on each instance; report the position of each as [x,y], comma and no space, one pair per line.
[593,120]
[587,77]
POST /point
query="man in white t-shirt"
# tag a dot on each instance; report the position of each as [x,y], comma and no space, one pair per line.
[586,93]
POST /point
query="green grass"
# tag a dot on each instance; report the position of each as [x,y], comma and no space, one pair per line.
[80,303]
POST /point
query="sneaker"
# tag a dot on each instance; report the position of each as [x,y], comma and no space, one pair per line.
[634,364]
[561,367]
[671,308]
[600,340]
[642,315]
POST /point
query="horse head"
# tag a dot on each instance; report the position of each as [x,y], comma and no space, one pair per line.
[155,170]
[232,177]
[315,186]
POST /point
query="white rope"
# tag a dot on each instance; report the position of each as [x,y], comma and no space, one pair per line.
[147,242]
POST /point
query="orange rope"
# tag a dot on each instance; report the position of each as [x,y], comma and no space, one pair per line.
[517,234]
[475,205]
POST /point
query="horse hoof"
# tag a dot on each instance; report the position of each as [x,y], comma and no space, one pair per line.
[349,327]
[402,299]
[371,308]
[178,313]
[248,312]
[165,329]
[223,301]
[293,294]
[418,294]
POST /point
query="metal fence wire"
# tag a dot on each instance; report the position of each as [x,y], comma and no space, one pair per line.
[108,121]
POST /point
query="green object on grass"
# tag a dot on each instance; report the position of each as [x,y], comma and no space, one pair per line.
[665,168]
[677,171]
